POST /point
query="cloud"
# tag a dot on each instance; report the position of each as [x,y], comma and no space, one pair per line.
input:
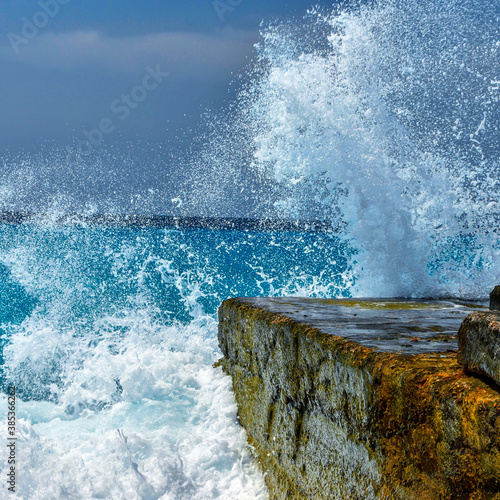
[188,54]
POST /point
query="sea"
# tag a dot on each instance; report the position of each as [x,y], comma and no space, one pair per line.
[368,138]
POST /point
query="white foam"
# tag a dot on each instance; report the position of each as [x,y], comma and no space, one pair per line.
[359,105]
[170,431]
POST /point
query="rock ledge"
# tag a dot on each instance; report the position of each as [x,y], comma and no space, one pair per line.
[329,418]
[479,344]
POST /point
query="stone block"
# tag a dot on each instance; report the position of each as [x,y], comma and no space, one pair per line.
[331,418]
[495,299]
[479,344]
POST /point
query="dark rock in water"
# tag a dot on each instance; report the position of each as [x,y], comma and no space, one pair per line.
[495,299]
[353,413]
[479,344]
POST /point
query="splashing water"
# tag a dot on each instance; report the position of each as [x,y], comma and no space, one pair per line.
[382,120]
[386,119]
[111,345]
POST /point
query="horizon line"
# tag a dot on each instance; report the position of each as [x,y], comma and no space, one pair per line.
[171,221]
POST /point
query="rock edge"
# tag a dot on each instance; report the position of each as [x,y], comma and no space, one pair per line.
[479,344]
[329,418]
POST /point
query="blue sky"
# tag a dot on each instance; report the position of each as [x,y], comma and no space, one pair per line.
[64,63]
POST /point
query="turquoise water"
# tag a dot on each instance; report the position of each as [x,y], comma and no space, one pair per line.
[109,336]
[381,120]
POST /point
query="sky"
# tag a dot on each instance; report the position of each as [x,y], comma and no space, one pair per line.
[101,101]
[75,71]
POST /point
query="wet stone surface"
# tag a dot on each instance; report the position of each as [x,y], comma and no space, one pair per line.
[361,399]
[479,342]
[406,326]
[495,299]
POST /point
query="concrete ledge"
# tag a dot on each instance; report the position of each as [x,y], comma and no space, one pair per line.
[330,418]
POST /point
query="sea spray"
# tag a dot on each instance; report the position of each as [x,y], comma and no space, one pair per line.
[112,355]
[383,119]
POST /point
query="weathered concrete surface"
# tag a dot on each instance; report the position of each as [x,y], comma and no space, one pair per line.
[330,418]
[479,344]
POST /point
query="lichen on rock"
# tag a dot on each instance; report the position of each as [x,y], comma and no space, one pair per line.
[479,344]
[330,418]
